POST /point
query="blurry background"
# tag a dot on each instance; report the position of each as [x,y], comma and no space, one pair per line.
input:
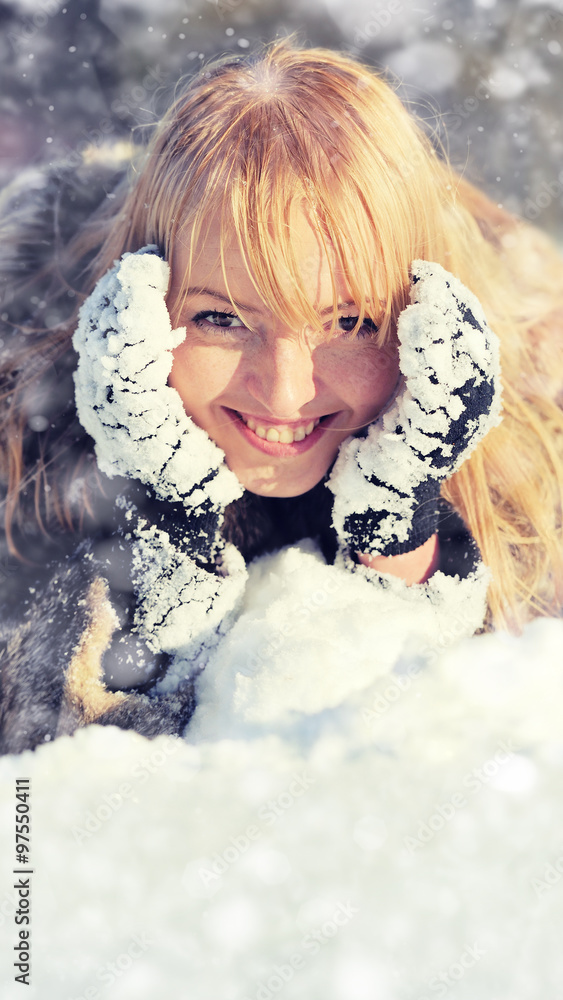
[488,74]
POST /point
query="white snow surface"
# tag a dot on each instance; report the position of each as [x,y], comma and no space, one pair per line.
[287,661]
[357,812]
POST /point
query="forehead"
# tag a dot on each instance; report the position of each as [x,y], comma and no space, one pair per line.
[217,247]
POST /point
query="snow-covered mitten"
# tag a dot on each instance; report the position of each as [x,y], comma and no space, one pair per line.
[187,580]
[386,484]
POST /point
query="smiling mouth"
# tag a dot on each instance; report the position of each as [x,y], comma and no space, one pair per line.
[280,433]
[279,439]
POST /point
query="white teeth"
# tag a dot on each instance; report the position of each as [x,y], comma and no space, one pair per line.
[281,435]
[286,436]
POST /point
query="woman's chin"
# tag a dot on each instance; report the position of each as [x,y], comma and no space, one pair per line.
[269,482]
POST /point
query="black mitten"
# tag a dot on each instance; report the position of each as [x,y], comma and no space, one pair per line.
[187,580]
[386,484]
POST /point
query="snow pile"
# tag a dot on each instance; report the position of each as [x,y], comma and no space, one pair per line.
[312,638]
[392,830]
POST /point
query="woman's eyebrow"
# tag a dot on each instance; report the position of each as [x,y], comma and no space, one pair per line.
[203,290]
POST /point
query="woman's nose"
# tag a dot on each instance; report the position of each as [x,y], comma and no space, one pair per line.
[283,379]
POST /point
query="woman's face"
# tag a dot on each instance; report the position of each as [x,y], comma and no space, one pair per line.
[277,403]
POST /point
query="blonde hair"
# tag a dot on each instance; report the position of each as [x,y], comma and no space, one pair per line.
[248,136]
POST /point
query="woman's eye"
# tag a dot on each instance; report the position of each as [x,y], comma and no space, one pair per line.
[348,323]
[221,320]
[230,321]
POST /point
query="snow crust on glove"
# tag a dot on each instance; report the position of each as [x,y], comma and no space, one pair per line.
[451,398]
[183,609]
[188,583]
[124,341]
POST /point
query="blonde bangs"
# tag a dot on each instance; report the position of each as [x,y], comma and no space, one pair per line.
[372,213]
[248,140]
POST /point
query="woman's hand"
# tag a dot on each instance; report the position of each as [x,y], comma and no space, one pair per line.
[416,566]
[386,484]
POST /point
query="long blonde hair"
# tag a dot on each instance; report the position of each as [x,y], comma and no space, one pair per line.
[245,138]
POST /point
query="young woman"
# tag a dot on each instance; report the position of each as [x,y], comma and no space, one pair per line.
[292,312]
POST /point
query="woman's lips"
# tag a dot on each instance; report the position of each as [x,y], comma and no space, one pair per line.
[278,448]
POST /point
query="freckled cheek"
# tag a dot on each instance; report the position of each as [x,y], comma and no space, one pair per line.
[364,381]
[202,374]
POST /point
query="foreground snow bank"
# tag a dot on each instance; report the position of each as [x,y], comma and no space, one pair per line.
[313,636]
[395,838]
